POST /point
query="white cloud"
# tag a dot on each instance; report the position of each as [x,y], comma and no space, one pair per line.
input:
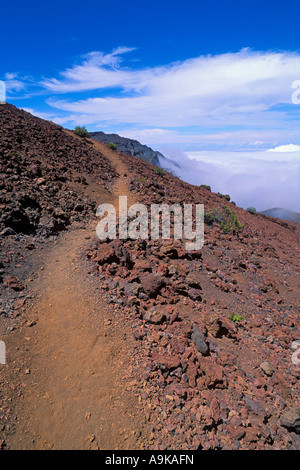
[286,148]
[13,83]
[47,116]
[97,71]
[234,89]
[151,135]
[236,139]
[251,178]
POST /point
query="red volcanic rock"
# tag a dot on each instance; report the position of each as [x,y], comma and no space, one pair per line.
[151,284]
[163,269]
[220,326]
[105,254]
[155,315]
[13,282]
[215,410]
[290,419]
[142,265]
[166,361]
[195,294]
[213,373]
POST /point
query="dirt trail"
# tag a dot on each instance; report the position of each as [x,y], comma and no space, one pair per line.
[121,186]
[76,399]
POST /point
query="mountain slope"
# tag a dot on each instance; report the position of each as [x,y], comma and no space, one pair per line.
[215,328]
[44,173]
[62,387]
[203,339]
[284,214]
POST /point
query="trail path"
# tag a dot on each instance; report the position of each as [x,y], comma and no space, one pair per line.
[75,398]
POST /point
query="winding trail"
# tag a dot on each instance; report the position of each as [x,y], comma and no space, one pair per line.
[75,398]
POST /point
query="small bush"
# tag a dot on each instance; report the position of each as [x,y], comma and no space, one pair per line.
[210,217]
[230,222]
[226,218]
[81,131]
[160,171]
[206,186]
[224,196]
[252,210]
[112,146]
[236,318]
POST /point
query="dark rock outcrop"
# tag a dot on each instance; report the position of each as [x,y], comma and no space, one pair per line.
[131,147]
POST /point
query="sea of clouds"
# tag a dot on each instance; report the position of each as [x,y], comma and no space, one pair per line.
[260,179]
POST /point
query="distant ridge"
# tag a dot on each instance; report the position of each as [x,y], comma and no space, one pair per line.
[133,147]
[281,213]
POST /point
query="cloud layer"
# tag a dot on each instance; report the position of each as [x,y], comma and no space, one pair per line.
[239,89]
[234,100]
[259,179]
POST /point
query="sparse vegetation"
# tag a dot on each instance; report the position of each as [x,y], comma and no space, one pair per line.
[171,172]
[206,186]
[230,222]
[224,196]
[226,218]
[236,318]
[81,131]
[210,217]
[252,210]
[160,171]
[112,146]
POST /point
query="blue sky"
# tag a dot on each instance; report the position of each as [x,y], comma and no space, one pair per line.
[189,74]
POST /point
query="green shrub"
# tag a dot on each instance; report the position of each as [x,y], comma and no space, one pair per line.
[236,318]
[210,217]
[252,210]
[224,196]
[81,131]
[160,171]
[206,186]
[112,146]
[229,221]
[226,218]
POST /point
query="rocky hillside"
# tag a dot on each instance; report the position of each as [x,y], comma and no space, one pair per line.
[284,214]
[45,188]
[214,361]
[131,147]
[43,174]
[215,329]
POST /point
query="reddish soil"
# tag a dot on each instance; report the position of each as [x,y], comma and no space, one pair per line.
[132,344]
